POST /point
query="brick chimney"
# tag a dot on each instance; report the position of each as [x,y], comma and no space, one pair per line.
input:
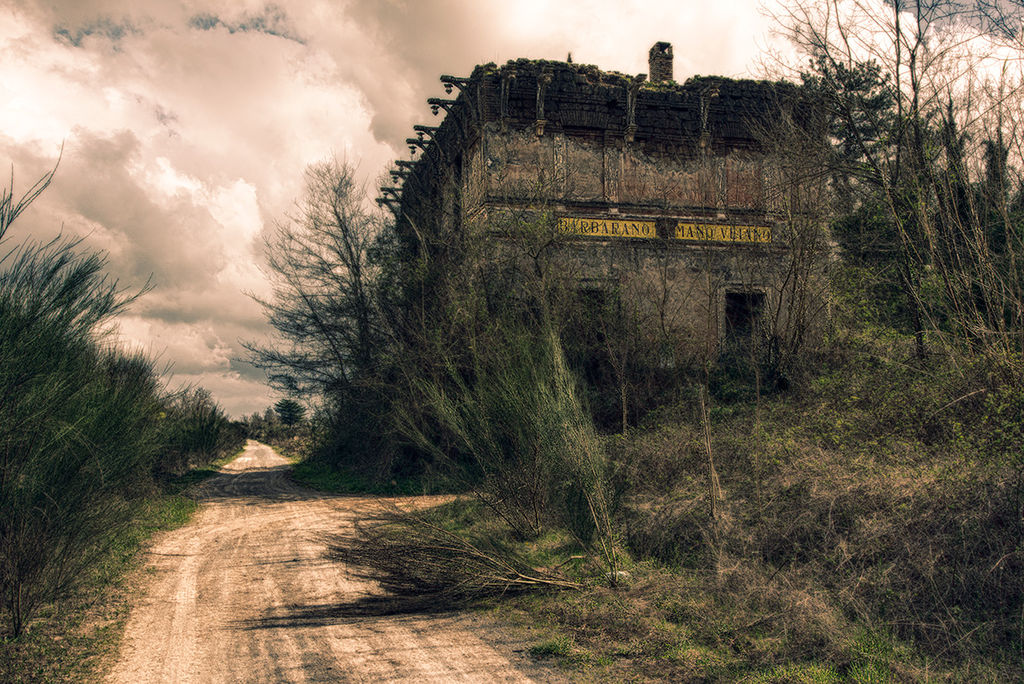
[659,61]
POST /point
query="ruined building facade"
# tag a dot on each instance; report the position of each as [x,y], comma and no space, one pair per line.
[664,194]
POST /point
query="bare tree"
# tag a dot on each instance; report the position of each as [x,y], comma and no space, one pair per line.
[921,97]
[323,305]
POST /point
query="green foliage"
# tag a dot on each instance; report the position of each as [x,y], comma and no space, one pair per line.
[892,487]
[195,431]
[324,477]
[559,646]
[265,426]
[922,168]
[78,429]
[520,437]
[69,641]
[811,673]
[289,411]
[82,423]
[859,106]
[999,434]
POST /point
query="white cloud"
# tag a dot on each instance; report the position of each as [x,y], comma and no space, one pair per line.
[187,124]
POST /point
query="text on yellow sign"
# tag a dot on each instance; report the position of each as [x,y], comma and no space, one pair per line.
[713,232]
[607,227]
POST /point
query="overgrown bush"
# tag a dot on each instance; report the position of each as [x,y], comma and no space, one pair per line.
[78,418]
[83,424]
[195,431]
[893,487]
[519,438]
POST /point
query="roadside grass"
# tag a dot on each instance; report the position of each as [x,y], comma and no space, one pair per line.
[75,639]
[179,483]
[324,477]
[318,475]
[672,625]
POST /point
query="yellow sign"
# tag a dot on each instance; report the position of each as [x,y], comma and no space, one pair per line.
[715,232]
[607,227]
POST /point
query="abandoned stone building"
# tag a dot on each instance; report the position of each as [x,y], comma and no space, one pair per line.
[667,194]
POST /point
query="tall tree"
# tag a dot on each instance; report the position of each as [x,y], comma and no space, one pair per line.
[322,305]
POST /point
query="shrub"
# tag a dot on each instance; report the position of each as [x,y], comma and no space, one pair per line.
[77,418]
[289,411]
[195,430]
[519,435]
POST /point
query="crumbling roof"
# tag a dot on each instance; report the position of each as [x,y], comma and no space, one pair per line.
[583,100]
[581,97]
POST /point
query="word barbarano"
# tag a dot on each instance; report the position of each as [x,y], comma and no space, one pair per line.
[607,227]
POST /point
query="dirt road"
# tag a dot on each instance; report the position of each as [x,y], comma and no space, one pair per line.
[242,594]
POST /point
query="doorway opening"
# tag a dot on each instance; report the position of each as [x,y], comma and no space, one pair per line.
[743,312]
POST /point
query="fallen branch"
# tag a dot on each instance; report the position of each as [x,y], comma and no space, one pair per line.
[413,558]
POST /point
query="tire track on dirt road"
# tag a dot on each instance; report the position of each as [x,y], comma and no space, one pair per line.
[243,594]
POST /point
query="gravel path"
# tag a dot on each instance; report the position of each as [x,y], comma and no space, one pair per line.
[242,594]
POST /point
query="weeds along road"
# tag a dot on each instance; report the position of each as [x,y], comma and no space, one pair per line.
[242,594]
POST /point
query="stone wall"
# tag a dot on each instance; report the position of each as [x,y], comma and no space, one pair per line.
[611,172]
[679,288]
[633,162]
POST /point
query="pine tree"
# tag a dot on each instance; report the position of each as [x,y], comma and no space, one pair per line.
[289,411]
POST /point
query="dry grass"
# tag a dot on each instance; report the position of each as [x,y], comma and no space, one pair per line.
[843,520]
[848,546]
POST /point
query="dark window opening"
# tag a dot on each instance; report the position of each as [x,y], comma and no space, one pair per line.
[593,302]
[743,312]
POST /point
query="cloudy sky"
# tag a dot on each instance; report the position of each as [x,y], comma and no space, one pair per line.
[186,125]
